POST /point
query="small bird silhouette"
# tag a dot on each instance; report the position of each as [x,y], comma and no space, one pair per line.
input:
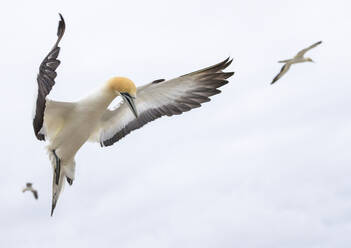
[299,58]
[30,188]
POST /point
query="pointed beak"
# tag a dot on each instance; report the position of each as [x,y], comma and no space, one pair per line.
[130,102]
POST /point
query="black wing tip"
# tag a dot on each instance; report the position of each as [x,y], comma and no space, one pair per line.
[218,69]
[212,69]
[229,60]
[61,27]
[229,74]
[275,79]
[225,63]
[40,136]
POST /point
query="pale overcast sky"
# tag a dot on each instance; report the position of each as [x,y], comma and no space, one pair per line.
[258,166]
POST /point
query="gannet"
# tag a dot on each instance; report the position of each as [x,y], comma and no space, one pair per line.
[299,58]
[30,188]
[66,126]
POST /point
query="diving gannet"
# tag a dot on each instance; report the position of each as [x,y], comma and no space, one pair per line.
[68,125]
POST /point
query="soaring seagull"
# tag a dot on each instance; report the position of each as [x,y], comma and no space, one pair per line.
[30,188]
[68,125]
[299,58]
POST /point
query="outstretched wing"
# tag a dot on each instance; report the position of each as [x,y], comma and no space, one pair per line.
[303,51]
[35,193]
[283,70]
[46,80]
[159,98]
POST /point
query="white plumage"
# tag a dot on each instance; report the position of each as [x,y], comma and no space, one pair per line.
[68,125]
[299,58]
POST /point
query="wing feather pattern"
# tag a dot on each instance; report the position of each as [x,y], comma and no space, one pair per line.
[46,80]
[283,70]
[301,53]
[35,193]
[160,98]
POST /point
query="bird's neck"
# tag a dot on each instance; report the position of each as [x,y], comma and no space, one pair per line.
[101,98]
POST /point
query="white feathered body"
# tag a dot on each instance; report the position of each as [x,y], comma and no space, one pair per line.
[68,125]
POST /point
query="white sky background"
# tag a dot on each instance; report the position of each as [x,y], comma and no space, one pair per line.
[258,166]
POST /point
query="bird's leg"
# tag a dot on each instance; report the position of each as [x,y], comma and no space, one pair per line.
[57,168]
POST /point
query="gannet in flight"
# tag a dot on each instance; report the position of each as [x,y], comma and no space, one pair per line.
[30,188]
[299,58]
[68,125]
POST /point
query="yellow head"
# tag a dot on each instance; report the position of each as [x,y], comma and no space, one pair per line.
[122,85]
[126,88]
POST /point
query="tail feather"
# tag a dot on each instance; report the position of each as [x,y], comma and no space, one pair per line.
[61,172]
[56,189]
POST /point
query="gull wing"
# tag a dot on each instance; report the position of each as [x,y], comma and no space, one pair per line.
[160,98]
[283,70]
[303,51]
[46,80]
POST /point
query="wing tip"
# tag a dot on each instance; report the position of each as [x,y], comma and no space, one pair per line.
[275,79]
[229,74]
[61,27]
[212,69]
[225,63]
[229,60]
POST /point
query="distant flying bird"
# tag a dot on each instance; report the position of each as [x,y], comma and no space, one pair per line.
[68,125]
[30,188]
[299,58]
